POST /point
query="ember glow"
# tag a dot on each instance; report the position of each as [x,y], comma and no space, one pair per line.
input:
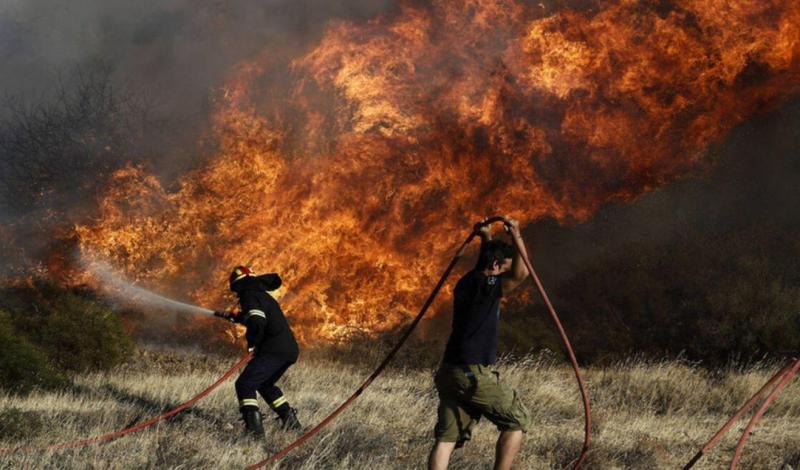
[355,169]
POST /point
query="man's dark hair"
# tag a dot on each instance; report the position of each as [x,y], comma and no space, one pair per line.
[491,251]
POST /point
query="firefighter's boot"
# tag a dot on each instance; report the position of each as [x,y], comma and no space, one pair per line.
[252,422]
[289,421]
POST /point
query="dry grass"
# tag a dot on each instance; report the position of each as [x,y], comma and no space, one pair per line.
[647,416]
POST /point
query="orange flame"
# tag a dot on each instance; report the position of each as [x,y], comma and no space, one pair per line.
[356,179]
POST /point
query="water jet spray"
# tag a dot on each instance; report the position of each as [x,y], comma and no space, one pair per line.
[125,289]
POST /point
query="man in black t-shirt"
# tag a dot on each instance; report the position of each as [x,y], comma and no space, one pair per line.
[468,389]
[275,349]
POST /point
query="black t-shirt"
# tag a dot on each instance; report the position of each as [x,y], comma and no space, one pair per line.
[267,329]
[476,314]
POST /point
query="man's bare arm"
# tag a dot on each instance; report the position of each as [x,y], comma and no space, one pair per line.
[518,271]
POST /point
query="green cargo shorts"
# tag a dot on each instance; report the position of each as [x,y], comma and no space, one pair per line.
[468,392]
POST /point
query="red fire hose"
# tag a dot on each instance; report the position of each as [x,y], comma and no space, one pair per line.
[782,378]
[149,422]
[760,412]
[587,411]
[459,253]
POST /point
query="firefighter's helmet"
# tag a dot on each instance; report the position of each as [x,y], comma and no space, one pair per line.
[239,273]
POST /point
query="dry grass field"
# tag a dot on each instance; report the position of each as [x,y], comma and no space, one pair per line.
[648,416]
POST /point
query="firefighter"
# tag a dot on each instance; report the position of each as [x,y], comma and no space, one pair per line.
[468,388]
[275,349]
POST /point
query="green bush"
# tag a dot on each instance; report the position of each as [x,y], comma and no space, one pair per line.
[71,328]
[82,334]
[22,365]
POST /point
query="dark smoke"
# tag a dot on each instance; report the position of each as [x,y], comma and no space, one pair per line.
[707,268]
[90,85]
[177,51]
[754,179]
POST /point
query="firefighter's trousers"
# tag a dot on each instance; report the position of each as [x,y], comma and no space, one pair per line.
[260,376]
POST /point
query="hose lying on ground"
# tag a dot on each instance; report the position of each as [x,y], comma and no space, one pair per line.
[122,432]
[782,378]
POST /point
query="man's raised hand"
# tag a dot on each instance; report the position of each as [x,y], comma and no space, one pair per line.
[512,227]
[483,230]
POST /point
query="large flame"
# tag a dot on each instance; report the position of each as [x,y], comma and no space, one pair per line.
[358,175]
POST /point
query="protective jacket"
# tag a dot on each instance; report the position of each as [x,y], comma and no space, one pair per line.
[267,329]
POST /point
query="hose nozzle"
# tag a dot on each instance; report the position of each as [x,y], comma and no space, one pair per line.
[230,316]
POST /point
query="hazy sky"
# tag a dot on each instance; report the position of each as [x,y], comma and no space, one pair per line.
[176,50]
